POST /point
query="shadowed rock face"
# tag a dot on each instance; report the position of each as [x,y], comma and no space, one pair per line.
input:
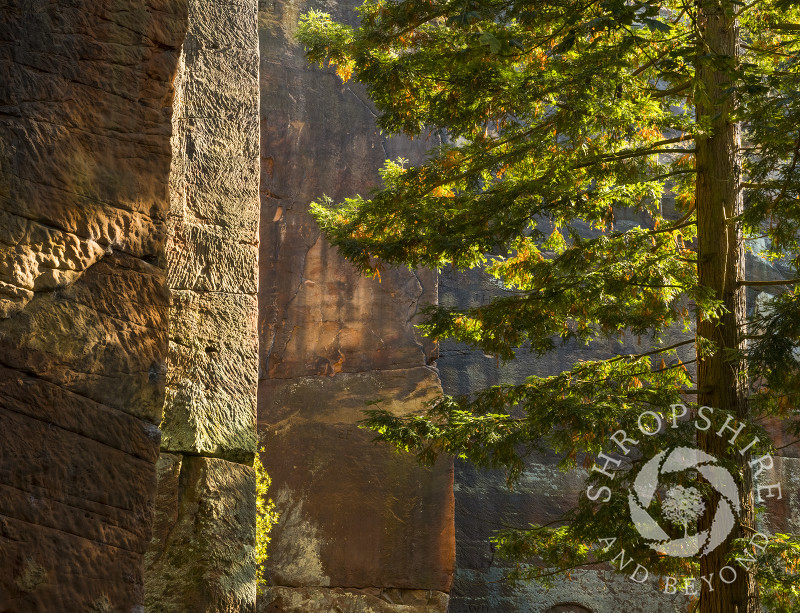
[484,503]
[362,528]
[202,554]
[85,98]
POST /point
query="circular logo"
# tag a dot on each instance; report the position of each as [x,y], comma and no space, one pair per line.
[682,505]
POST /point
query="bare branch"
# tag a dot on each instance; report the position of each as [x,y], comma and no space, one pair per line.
[749,283]
[633,356]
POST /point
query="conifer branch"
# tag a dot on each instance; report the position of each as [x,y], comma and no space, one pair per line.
[661,93]
[792,166]
[742,10]
[768,51]
[683,222]
[652,62]
[626,155]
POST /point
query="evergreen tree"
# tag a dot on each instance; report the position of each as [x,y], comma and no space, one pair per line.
[561,117]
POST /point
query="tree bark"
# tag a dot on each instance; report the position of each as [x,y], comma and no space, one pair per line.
[718,197]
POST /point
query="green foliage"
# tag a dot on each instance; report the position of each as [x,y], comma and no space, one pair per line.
[777,564]
[569,173]
[266,517]
[772,358]
[498,426]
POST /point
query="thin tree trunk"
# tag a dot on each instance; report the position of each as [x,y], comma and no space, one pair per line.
[721,380]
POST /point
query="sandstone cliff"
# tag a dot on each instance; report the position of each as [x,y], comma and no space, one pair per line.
[202,554]
[85,100]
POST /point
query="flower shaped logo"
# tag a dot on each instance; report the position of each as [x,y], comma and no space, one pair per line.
[682,505]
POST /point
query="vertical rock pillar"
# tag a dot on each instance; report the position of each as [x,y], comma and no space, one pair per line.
[202,554]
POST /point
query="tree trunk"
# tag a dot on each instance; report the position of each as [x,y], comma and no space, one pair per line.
[721,377]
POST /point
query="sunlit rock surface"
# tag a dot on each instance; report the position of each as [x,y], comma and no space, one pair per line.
[85,101]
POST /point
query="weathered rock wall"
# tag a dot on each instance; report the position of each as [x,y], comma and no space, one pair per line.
[362,528]
[85,101]
[130,306]
[202,554]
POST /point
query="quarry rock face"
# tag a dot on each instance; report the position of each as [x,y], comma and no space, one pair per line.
[362,527]
[212,249]
[202,555]
[167,304]
[85,98]
[129,242]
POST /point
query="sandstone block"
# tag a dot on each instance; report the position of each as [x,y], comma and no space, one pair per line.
[783,507]
[353,514]
[202,557]
[84,159]
[212,250]
[212,365]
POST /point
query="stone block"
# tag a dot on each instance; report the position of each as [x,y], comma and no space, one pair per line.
[353,514]
[782,507]
[202,557]
[84,161]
